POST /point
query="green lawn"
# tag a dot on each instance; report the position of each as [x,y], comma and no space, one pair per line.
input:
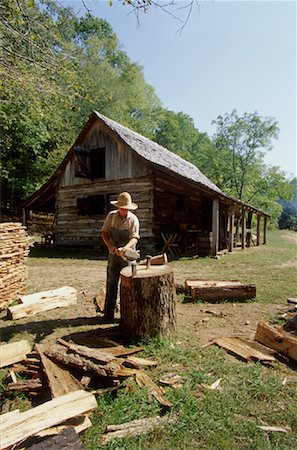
[249,395]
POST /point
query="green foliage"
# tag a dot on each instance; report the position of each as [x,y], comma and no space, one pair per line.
[288,218]
[58,69]
[246,139]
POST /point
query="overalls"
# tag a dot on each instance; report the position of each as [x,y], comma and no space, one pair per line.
[115,264]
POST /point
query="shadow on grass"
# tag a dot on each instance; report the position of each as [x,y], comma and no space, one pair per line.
[46,327]
[41,251]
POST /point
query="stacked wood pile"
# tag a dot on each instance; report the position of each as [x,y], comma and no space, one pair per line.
[41,223]
[14,249]
[64,377]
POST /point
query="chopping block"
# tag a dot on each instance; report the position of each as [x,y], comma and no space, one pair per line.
[148,302]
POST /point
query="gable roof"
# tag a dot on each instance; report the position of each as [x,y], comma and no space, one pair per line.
[145,148]
[158,155]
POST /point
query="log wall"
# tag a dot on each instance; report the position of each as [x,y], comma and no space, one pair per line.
[120,163]
[73,229]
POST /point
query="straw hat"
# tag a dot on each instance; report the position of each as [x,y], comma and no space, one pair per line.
[124,201]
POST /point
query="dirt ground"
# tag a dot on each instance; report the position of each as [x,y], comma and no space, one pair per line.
[197,322]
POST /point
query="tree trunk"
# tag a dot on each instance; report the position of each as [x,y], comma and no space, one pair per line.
[148,299]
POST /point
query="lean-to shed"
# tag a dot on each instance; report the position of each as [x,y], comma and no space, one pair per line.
[181,211]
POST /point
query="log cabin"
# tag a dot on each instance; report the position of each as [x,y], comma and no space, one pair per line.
[181,211]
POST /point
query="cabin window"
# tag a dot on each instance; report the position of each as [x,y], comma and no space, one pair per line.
[91,205]
[90,163]
[180,203]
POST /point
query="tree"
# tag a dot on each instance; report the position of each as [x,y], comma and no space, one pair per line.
[42,111]
[288,217]
[246,139]
[176,132]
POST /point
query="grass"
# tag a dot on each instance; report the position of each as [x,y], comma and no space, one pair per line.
[250,394]
[272,268]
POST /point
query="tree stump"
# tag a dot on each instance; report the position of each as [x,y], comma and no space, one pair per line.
[148,302]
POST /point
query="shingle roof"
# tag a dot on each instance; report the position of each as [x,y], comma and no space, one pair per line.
[155,153]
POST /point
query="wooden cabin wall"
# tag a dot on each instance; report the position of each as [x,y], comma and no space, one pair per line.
[120,161]
[180,208]
[79,230]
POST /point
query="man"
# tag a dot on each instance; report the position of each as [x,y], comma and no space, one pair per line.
[120,231]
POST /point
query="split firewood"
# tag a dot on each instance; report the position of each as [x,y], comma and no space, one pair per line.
[212,291]
[79,423]
[278,339]
[102,391]
[43,301]
[124,372]
[99,300]
[81,362]
[19,427]
[292,300]
[14,352]
[30,387]
[139,363]
[143,380]
[277,429]
[171,379]
[244,349]
[12,375]
[5,407]
[92,353]
[136,427]
[213,386]
[14,249]
[119,350]
[60,380]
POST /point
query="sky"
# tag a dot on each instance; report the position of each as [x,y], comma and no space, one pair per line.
[229,55]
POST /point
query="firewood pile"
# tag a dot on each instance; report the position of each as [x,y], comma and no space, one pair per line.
[66,376]
[14,249]
[271,342]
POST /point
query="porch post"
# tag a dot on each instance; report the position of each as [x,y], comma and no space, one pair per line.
[265,230]
[231,230]
[258,228]
[243,227]
[249,229]
[215,227]
[25,218]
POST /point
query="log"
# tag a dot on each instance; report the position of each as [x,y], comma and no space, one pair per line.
[13,352]
[244,349]
[211,291]
[92,353]
[26,386]
[136,427]
[26,424]
[60,380]
[278,339]
[83,363]
[148,302]
[43,301]
[143,380]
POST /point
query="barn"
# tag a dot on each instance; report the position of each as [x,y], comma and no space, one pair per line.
[181,211]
